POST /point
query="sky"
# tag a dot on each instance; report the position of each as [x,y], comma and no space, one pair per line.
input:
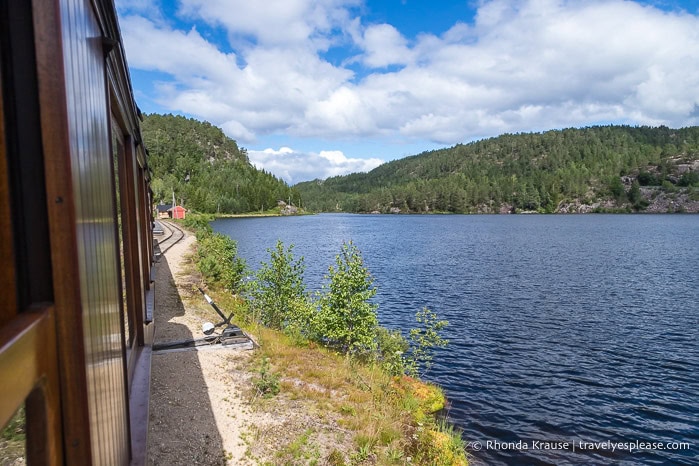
[318,88]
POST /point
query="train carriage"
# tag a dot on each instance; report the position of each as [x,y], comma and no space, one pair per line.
[75,236]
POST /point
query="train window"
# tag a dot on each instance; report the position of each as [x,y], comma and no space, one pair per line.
[118,155]
[13,440]
[24,154]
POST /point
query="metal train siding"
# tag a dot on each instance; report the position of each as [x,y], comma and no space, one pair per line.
[75,236]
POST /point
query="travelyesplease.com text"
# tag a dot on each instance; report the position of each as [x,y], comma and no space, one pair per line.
[577,445]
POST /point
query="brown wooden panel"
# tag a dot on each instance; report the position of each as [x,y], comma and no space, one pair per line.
[61,214]
[30,376]
[19,342]
[95,213]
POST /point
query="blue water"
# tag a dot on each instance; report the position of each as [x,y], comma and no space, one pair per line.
[562,328]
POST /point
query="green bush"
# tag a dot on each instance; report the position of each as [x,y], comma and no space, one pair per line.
[689,178]
[346,319]
[423,340]
[300,323]
[391,350]
[616,189]
[218,261]
[342,318]
[279,294]
[668,186]
[647,179]
[199,223]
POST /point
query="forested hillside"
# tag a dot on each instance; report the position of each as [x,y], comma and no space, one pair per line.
[207,170]
[602,168]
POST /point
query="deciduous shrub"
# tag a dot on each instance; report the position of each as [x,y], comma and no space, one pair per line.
[347,319]
[199,223]
[218,260]
[279,294]
[391,350]
[423,340]
[343,317]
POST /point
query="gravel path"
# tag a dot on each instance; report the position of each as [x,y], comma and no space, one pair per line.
[198,410]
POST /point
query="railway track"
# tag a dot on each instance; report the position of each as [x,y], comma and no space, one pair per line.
[173,236]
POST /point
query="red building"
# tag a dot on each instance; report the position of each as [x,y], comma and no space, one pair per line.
[177,212]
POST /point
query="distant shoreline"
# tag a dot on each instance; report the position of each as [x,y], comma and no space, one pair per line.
[621,212]
[261,214]
[270,214]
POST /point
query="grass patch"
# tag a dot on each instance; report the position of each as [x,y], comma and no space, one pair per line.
[300,451]
[388,418]
[267,382]
[13,439]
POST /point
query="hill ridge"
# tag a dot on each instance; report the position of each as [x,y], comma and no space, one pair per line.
[595,168]
[205,169]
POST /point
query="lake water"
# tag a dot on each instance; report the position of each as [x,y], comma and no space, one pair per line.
[568,329]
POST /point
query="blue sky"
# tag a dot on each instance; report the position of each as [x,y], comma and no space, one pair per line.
[316,88]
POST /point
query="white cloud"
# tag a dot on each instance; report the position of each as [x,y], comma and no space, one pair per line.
[521,65]
[295,166]
[384,46]
[274,22]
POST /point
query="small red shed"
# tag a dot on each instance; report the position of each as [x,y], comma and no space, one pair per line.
[177,211]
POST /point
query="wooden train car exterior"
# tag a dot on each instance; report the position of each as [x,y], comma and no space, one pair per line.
[75,235]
